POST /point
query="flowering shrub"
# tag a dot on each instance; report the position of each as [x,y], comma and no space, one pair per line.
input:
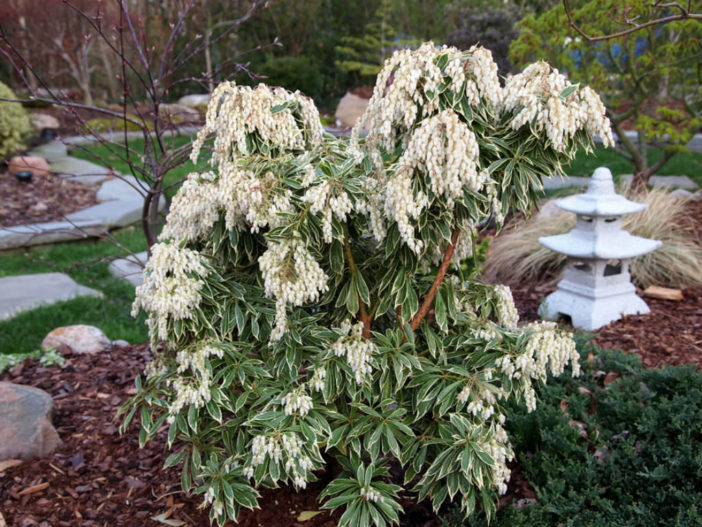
[318,298]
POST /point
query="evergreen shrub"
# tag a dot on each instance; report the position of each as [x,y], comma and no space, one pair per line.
[315,298]
[15,126]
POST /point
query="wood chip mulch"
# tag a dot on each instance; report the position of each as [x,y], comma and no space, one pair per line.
[48,198]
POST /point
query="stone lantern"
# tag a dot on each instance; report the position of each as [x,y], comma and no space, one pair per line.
[596,288]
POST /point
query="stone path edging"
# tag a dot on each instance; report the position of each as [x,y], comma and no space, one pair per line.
[25,292]
[120,204]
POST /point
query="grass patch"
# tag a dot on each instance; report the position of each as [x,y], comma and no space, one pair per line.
[111,157]
[87,263]
[603,454]
[682,164]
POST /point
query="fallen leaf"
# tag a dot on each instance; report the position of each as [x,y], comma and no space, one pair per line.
[610,378]
[34,488]
[161,518]
[307,515]
[2,521]
[9,463]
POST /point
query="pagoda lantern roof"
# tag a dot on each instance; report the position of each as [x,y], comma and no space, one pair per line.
[600,198]
[588,244]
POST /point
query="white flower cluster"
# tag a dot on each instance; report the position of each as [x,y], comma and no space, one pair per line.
[330,199]
[547,349]
[209,499]
[357,350]
[500,450]
[534,96]
[482,399]
[506,310]
[297,401]
[411,79]
[368,493]
[290,274]
[194,392]
[297,464]
[317,381]
[194,209]
[236,112]
[169,290]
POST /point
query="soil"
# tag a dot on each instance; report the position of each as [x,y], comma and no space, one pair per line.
[48,198]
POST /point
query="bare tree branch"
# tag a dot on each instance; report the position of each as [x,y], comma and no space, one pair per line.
[685,14]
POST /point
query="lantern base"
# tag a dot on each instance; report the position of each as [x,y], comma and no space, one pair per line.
[590,311]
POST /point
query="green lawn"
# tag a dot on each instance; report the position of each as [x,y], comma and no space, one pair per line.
[112,157]
[682,164]
[86,262]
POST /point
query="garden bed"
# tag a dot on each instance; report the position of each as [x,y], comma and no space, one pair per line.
[43,199]
[101,478]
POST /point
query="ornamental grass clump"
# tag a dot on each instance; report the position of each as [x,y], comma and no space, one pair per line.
[314,298]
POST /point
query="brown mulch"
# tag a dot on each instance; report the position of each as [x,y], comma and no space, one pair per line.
[43,199]
[101,478]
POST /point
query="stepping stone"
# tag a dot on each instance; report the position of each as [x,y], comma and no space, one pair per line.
[555,183]
[80,171]
[120,188]
[24,292]
[48,232]
[52,151]
[25,422]
[130,268]
[664,181]
[116,213]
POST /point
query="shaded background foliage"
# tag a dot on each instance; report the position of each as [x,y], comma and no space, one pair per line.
[308,35]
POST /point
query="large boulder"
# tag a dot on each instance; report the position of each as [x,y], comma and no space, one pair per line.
[350,108]
[25,422]
[195,100]
[40,121]
[37,165]
[80,338]
[179,113]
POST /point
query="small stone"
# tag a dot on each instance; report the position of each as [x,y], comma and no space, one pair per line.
[120,343]
[25,422]
[42,120]
[80,338]
[37,165]
[350,109]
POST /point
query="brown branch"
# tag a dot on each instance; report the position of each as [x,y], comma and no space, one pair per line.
[364,316]
[429,299]
[685,15]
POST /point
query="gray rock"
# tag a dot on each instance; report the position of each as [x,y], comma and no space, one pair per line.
[119,343]
[683,182]
[21,293]
[49,232]
[80,171]
[25,422]
[198,99]
[118,213]
[129,268]
[80,338]
[52,151]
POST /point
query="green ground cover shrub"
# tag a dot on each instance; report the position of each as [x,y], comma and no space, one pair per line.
[83,261]
[609,454]
[15,126]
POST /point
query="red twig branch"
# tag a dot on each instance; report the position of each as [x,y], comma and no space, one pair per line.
[429,299]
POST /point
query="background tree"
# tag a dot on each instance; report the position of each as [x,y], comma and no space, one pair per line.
[650,81]
[157,50]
